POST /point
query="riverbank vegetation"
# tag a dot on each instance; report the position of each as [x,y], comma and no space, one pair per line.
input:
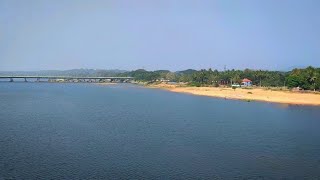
[307,78]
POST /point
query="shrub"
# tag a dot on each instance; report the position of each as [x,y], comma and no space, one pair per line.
[196,84]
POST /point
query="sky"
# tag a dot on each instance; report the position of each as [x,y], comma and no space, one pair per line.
[159,34]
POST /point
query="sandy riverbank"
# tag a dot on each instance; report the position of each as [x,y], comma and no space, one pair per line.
[285,97]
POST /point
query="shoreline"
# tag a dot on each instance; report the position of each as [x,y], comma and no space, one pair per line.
[254,94]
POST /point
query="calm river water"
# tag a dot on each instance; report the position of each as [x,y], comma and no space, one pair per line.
[86,131]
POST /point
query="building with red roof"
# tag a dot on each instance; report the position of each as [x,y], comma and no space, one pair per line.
[246,82]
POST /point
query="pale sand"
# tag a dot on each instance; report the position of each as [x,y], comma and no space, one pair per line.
[284,97]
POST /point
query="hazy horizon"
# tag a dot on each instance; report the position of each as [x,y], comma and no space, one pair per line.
[128,70]
[173,35]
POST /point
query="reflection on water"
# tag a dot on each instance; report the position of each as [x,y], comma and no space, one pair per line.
[86,131]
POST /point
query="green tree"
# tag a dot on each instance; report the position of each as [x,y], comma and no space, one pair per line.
[312,77]
[295,81]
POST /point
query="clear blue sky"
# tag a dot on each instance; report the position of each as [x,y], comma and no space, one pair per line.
[158,34]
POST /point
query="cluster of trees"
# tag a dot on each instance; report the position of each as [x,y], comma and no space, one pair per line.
[308,78]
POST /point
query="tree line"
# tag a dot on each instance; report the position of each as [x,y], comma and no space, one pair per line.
[306,78]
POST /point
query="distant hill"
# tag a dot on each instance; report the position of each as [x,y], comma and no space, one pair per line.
[293,67]
[162,71]
[188,71]
[72,72]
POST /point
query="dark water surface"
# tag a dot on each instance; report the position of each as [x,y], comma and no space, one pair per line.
[86,131]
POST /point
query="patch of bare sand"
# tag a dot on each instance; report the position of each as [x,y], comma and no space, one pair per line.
[285,97]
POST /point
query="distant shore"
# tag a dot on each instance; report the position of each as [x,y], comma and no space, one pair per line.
[105,83]
[254,94]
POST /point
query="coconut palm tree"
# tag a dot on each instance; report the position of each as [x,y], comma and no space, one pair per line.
[312,80]
[312,77]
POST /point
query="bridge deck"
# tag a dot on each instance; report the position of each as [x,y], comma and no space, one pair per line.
[64,77]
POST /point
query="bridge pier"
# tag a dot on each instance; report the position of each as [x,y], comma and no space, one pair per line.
[25,80]
[11,79]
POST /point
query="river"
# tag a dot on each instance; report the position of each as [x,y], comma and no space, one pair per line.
[87,131]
